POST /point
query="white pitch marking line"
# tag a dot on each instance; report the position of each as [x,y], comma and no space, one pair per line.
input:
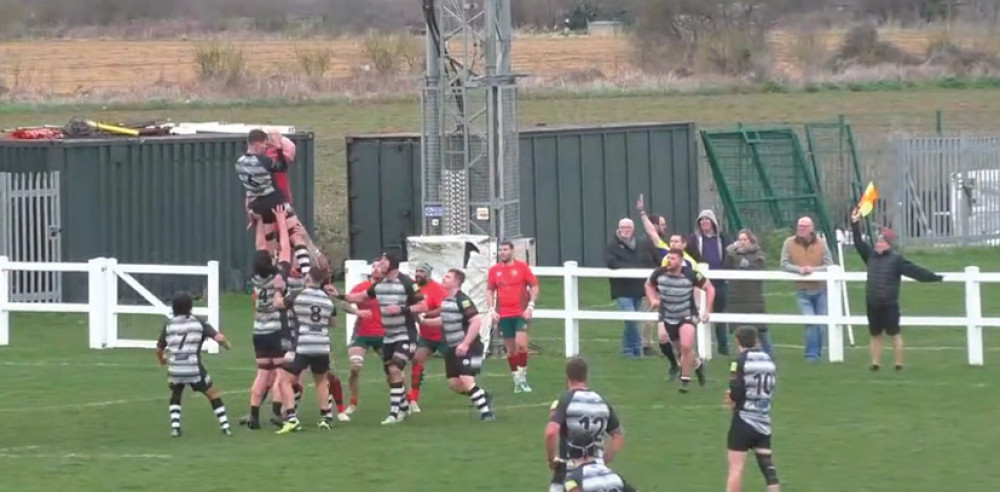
[85,456]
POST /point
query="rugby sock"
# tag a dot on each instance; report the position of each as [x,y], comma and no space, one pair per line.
[336,392]
[354,400]
[255,413]
[512,362]
[523,362]
[297,388]
[397,392]
[175,411]
[416,379]
[290,416]
[276,408]
[478,398]
[668,352]
[302,259]
[220,413]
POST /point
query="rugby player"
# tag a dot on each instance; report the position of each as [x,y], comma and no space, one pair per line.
[751,388]
[429,340]
[179,348]
[586,474]
[314,312]
[671,289]
[271,324]
[579,413]
[399,299]
[368,331]
[510,281]
[463,350]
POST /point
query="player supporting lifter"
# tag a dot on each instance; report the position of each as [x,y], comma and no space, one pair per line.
[510,281]
[179,348]
[671,289]
[368,331]
[579,413]
[751,388]
[399,300]
[463,349]
[429,340]
[314,312]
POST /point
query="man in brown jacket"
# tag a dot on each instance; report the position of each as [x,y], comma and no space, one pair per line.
[803,254]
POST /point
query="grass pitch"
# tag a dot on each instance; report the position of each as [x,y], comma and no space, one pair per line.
[75,419]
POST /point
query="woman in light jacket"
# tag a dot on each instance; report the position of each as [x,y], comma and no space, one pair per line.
[747,296]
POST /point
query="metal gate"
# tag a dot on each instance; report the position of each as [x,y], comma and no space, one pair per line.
[946,190]
[30,231]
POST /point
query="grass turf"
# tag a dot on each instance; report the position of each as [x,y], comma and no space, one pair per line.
[76,419]
[873,115]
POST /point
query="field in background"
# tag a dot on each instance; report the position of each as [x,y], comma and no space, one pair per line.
[73,67]
[875,115]
[79,419]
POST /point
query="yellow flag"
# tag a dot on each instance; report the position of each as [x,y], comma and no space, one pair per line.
[867,203]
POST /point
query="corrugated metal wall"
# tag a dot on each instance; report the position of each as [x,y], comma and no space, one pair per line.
[162,200]
[576,183]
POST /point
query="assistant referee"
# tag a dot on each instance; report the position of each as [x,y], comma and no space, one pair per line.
[886,268]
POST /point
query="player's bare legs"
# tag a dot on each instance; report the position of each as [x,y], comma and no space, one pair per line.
[466,385]
[262,383]
[397,390]
[335,389]
[689,359]
[521,345]
[322,399]
[285,381]
[356,356]
[737,461]
[875,345]
[897,350]
[215,399]
[417,377]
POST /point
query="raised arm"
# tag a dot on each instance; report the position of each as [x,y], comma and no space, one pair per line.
[917,272]
[863,249]
[284,242]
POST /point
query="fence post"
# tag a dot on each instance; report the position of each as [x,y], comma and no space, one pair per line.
[111,302]
[704,330]
[571,306]
[973,316]
[834,313]
[4,300]
[354,274]
[212,296]
[97,318]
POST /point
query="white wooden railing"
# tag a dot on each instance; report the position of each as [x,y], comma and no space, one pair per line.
[102,305]
[835,278]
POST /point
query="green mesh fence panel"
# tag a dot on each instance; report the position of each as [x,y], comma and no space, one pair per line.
[764,179]
[835,162]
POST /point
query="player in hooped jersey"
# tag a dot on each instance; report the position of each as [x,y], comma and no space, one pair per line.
[429,338]
[368,331]
[751,388]
[578,414]
[463,349]
[399,300]
[314,314]
[586,474]
[510,281]
[179,348]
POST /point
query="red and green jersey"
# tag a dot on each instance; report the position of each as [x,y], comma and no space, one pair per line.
[371,327]
[511,282]
[434,294]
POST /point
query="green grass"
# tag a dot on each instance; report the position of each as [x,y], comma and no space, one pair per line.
[874,114]
[75,419]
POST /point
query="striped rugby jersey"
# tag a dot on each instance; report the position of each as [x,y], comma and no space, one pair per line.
[401,291]
[314,312]
[182,338]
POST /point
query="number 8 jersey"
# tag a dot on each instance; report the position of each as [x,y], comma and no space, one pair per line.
[583,412]
[752,385]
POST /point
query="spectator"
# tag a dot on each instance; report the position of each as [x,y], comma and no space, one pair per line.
[709,245]
[625,251]
[747,296]
[804,253]
[885,270]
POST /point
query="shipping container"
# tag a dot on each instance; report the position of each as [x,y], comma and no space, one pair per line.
[159,200]
[575,184]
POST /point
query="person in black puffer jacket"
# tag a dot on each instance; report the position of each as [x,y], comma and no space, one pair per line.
[885,271]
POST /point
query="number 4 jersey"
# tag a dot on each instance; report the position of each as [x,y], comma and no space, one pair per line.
[752,385]
[583,412]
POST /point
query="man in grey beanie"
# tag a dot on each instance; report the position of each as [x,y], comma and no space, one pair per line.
[886,268]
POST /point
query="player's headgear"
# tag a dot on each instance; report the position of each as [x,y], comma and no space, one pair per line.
[424,267]
[581,446]
[182,303]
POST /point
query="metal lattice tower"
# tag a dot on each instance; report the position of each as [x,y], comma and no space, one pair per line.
[470,139]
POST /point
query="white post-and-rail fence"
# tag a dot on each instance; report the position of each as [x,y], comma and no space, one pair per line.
[835,278]
[102,305]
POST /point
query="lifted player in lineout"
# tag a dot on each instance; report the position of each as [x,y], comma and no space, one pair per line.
[580,413]
[314,313]
[399,300]
[671,289]
[463,349]
[430,333]
[751,388]
[511,280]
[368,331]
[179,348]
